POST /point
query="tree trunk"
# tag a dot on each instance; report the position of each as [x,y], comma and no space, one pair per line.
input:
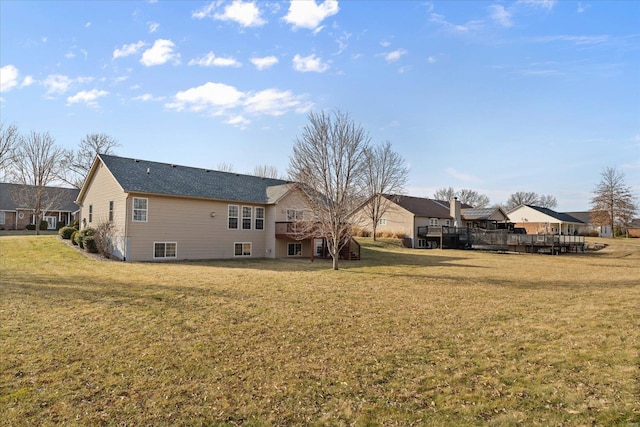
[335,261]
[374,231]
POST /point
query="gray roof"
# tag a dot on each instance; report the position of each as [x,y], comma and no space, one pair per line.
[557,215]
[479,213]
[63,198]
[142,176]
[420,206]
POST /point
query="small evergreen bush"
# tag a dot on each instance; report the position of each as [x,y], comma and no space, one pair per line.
[44,225]
[66,232]
[83,234]
[74,237]
[90,244]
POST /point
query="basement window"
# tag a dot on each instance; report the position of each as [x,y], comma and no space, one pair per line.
[242,249]
[165,250]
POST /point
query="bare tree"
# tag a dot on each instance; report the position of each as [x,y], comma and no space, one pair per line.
[328,161]
[385,172]
[36,167]
[9,138]
[530,198]
[613,203]
[265,171]
[445,193]
[75,164]
[466,196]
[473,198]
[225,167]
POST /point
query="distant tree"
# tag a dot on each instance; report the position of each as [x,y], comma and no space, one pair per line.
[225,167]
[385,172]
[530,198]
[9,137]
[613,203]
[75,164]
[37,163]
[328,161]
[473,198]
[466,196]
[265,171]
[445,193]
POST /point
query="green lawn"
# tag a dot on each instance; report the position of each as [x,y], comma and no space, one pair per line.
[403,337]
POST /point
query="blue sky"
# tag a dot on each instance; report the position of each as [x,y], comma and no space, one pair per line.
[498,96]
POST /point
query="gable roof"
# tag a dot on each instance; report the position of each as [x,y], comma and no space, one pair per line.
[420,206]
[64,200]
[584,216]
[476,214]
[147,177]
[564,217]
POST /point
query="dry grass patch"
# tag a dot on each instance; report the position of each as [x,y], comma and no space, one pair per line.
[403,337]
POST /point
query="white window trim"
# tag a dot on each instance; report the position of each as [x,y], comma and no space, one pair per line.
[382,221]
[133,210]
[237,217]
[165,250]
[295,215]
[256,218]
[2,217]
[242,243]
[250,217]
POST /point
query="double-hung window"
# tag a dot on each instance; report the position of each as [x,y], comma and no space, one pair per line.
[294,215]
[110,210]
[140,209]
[90,213]
[294,249]
[233,216]
[246,217]
[259,219]
[433,222]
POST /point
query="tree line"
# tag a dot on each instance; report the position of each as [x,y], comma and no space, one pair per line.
[333,160]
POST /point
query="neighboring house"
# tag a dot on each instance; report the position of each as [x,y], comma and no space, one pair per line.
[422,220]
[161,211]
[589,228]
[16,214]
[633,229]
[539,220]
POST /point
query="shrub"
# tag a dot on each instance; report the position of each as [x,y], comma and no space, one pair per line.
[44,225]
[76,224]
[74,237]
[31,227]
[103,238]
[66,232]
[90,244]
[83,234]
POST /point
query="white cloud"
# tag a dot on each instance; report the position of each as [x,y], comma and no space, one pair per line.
[87,97]
[87,25]
[70,55]
[57,84]
[545,4]
[432,60]
[8,78]
[579,40]
[218,99]
[455,28]
[264,62]
[210,60]
[128,49]
[28,81]
[271,102]
[147,97]
[160,53]
[209,95]
[309,63]
[309,14]
[501,15]
[246,14]
[395,55]
[153,26]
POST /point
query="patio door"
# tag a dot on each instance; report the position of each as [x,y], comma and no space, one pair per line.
[51,222]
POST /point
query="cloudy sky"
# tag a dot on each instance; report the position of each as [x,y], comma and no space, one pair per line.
[498,96]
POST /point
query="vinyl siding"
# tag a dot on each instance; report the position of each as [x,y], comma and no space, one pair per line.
[190,224]
[102,189]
